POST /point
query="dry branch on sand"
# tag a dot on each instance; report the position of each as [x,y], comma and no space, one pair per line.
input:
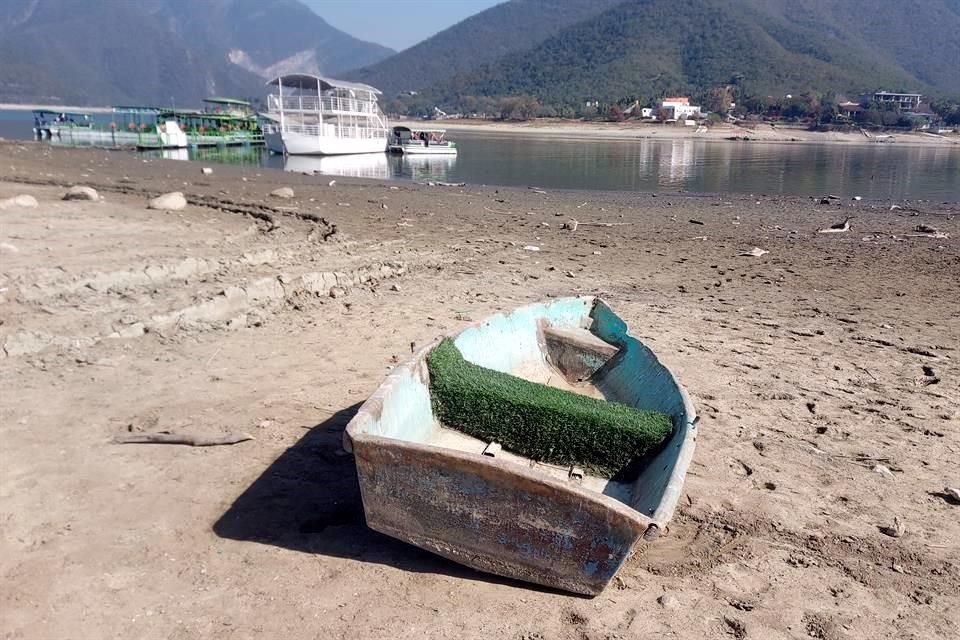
[193,440]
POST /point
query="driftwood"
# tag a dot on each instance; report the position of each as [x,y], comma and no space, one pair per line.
[573,224]
[193,440]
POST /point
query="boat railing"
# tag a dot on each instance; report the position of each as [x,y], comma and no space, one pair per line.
[342,131]
[325,104]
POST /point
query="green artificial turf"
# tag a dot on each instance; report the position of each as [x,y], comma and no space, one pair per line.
[540,422]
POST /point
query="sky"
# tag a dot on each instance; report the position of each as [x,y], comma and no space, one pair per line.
[397,24]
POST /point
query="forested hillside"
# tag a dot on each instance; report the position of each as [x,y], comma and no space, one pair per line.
[513,26]
[645,48]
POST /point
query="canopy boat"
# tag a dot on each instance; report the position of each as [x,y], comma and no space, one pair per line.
[224,122]
[314,115]
[421,140]
[49,124]
[121,127]
[478,504]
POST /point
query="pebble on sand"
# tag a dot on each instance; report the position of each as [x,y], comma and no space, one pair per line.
[81,193]
[668,601]
[283,192]
[23,201]
[173,201]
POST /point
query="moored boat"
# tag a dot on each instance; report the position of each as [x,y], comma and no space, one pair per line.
[223,122]
[49,124]
[314,115]
[485,507]
[417,140]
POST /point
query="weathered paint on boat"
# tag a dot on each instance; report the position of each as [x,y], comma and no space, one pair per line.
[507,515]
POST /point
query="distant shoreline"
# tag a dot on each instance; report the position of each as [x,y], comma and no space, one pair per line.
[61,108]
[580,130]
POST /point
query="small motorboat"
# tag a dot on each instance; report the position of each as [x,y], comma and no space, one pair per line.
[486,507]
[416,140]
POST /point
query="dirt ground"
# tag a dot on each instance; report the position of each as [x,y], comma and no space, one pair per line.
[825,371]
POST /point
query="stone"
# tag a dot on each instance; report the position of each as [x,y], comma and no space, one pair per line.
[896,530]
[22,201]
[337,292]
[283,192]
[668,601]
[81,193]
[135,330]
[173,201]
[882,470]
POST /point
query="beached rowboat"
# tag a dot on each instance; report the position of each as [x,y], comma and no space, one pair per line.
[484,507]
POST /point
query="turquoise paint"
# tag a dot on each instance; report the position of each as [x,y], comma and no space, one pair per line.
[505,342]
[407,414]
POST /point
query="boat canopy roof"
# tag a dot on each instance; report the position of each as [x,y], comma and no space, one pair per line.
[405,127]
[231,101]
[41,112]
[309,81]
[135,109]
[191,113]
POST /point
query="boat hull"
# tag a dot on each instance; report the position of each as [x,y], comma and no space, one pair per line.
[507,515]
[494,517]
[421,150]
[294,143]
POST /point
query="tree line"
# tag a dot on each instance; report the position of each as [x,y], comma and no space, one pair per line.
[815,109]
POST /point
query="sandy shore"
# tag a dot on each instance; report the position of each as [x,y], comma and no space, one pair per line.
[825,372]
[723,132]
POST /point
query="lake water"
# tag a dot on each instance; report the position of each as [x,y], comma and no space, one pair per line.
[869,170]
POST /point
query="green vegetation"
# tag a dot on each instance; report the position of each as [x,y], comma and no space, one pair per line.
[751,50]
[483,38]
[540,422]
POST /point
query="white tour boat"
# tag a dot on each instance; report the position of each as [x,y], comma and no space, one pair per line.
[428,141]
[313,115]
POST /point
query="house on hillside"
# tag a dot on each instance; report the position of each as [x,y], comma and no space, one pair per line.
[678,108]
[850,109]
[906,101]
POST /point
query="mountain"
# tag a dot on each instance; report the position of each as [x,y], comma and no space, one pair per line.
[649,47]
[163,51]
[483,38]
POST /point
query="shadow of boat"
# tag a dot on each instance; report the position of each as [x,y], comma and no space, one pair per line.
[308,500]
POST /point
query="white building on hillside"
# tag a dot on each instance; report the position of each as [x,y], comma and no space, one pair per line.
[678,108]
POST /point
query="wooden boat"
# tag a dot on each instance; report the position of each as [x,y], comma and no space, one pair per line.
[501,513]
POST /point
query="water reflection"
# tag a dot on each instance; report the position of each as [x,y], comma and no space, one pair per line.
[647,164]
[364,165]
[423,168]
[243,155]
[676,164]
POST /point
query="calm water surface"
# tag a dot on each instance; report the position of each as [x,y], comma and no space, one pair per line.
[868,170]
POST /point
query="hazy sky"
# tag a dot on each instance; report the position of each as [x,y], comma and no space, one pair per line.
[396,23]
